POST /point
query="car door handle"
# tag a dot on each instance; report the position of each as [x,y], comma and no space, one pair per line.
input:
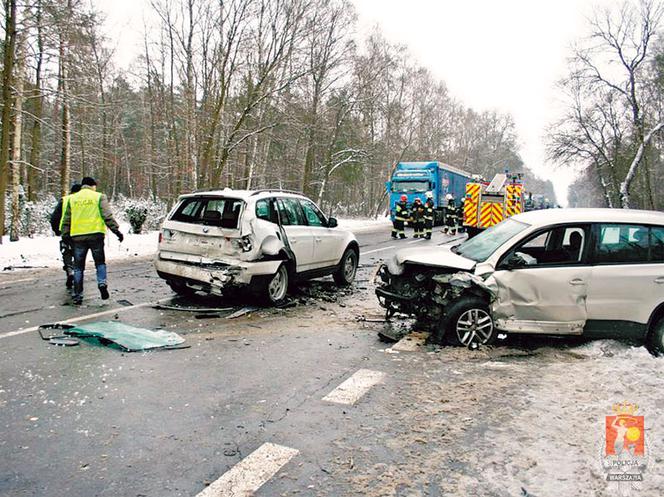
[293,240]
[318,239]
[659,280]
[576,281]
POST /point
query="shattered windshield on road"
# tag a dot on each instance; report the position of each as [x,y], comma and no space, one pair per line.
[486,243]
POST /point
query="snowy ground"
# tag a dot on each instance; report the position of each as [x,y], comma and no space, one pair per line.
[45,252]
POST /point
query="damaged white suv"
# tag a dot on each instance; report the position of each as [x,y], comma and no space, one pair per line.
[591,272]
[221,241]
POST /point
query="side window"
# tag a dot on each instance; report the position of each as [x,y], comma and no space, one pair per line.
[559,245]
[657,244]
[313,215]
[263,210]
[290,212]
[622,243]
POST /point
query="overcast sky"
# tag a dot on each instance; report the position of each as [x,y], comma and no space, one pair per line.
[492,54]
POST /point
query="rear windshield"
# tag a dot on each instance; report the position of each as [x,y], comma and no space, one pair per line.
[211,211]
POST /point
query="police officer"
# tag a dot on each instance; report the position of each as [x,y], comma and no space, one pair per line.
[400,216]
[65,245]
[86,216]
[428,216]
[450,215]
[417,215]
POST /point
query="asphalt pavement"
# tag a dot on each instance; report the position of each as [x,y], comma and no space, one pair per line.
[93,420]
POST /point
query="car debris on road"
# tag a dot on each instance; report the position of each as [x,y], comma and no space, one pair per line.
[128,338]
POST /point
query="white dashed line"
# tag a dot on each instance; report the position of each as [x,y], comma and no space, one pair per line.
[250,473]
[378,250]
[351,390]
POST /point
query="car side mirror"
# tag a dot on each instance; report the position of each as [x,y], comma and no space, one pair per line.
[515,261]
[332,223]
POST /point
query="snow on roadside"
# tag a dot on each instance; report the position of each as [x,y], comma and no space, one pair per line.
[44,251]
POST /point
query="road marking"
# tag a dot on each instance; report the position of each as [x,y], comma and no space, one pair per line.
[416,241]
[80,318]
[351,390]
[251,473]
[412,342]
[17,281]
[378,250]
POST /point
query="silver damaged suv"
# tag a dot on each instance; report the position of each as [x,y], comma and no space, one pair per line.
[591,272]
[222,241]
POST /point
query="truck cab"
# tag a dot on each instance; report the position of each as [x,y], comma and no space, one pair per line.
[414,179]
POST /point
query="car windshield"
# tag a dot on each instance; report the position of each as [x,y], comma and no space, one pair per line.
[410,186]
[486,243]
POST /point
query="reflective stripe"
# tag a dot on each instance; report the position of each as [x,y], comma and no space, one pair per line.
[86,215]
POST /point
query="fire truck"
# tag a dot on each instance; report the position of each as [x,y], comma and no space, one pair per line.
[488,203]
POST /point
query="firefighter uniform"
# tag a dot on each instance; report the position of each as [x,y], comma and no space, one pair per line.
[417,215]
[450,217]
[428,217]
[459,217]
[400,217]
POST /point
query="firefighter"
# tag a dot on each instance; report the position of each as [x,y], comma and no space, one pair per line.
[459,216]
[85,218]
[450,216]
[400,216]
[417,215]
[65,245]
[428,216]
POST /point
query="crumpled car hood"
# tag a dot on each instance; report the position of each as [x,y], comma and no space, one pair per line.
[429,256]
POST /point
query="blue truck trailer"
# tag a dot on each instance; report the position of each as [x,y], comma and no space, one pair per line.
[414,179]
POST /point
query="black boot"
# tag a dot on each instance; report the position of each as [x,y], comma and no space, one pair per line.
[70,281]
[103,289]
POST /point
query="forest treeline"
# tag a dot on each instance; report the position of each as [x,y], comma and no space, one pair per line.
[238,93]
[612,132]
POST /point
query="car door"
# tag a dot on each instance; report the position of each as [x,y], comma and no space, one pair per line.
[328,242]
[544,291]
[300,238]
[627,281]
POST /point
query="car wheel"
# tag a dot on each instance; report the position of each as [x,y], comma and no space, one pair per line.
[468,322]
[276,286]
[181,288]
[656,339]
[345,275]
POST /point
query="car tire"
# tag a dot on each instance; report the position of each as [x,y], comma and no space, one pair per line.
[656,339]
[181,288]
[345,274]
[274,288]
[467,322]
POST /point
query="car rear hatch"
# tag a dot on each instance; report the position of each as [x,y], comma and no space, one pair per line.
[203,229]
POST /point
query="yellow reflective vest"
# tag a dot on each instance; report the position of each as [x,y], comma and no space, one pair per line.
[86,217]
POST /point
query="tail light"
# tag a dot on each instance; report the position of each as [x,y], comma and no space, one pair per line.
[161,236]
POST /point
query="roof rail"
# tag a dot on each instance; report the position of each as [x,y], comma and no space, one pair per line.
[279,190]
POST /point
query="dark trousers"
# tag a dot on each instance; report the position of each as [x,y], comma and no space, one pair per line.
[428,226]
[418,226]
[398,228]
[67,257]
[96,246]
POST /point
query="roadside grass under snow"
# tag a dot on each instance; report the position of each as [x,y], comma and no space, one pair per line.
[44,251]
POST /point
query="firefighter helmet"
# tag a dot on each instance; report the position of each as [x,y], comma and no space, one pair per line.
[429,194]
[403,198]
